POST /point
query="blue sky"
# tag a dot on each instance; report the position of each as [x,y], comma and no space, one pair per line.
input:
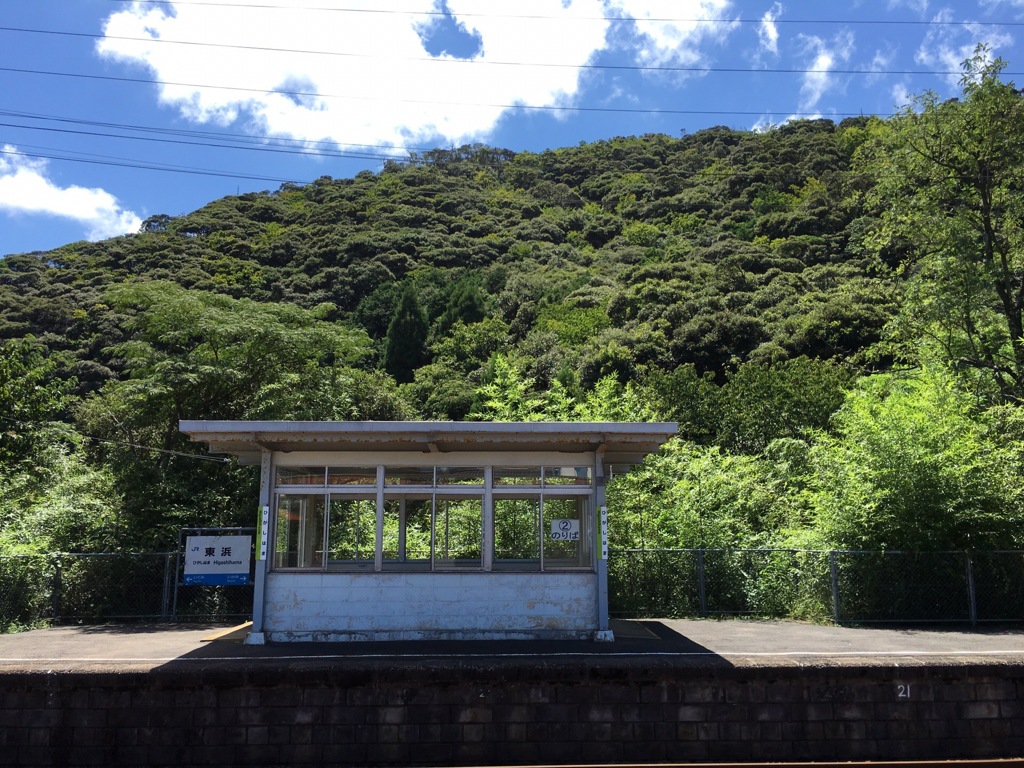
[116,110]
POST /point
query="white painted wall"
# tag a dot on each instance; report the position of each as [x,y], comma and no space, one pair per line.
[400,606]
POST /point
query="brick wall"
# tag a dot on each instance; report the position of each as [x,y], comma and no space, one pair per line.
[352,713]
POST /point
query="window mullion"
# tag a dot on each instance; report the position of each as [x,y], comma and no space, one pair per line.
[540,531]
[378,547]
[327,529]
[402,556]
[433,531]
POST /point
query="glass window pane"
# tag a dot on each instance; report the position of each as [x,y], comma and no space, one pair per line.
[300,531]
[409,476]
[517,534]
[458,532]
[460,475]
[351,475]
[351,531]
[300,475]
[407,534]
[565,533]
[516,475]
[567,475]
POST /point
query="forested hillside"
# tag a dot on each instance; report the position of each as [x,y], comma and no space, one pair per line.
[832,312]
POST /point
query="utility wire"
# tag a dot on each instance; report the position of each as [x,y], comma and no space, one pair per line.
[103,160]
[664,174]
[248,148]
[125,163]
[238,138]
[486,62]
[658,19]
[235,141]
[216,459]
[532,107]
[243,145]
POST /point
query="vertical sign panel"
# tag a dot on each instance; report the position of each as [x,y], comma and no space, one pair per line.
[261,553]
[604,533]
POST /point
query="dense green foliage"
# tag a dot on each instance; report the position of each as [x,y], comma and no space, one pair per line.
[832,313]
[952,174]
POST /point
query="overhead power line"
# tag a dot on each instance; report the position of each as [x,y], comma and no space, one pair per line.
[488,62]
[138,165]
[49,153]
[237,138]
[198,457]
[231,141]
[393,100]
[548,17]
[246,147]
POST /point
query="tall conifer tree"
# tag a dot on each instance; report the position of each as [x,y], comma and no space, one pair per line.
[405,349]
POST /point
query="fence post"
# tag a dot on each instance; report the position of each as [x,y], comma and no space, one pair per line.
[701,588]
[57,587]
[834,570]
[972,597]
[177,579]
[165,603]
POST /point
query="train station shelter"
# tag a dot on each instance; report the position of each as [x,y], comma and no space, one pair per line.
[431,530]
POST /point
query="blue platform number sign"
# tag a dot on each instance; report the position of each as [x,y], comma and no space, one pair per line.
[217,560]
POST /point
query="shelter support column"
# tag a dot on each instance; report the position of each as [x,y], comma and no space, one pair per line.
[604,633]
[263,548]
[488,520]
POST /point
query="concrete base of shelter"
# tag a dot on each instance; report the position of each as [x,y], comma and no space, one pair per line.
[371,606]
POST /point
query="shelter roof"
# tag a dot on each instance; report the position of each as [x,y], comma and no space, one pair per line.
[620,442]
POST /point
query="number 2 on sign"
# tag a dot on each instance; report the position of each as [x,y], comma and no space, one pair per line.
[903,691]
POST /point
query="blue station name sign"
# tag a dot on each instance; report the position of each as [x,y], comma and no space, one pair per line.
[217,560]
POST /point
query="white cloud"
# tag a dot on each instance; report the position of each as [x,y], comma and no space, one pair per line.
[824,56]
[25,189]
[921,6]
[367,76]
[901,96]
[379,84]
[947,46]
[878,66]
[672,32]
[764,124]
[768,31]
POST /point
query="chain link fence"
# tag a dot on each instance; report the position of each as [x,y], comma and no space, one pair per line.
[37,590]
[26,591]
[842,586]
[999,593]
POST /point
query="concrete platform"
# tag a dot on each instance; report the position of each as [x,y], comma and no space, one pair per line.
[664,691]
[663,642]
